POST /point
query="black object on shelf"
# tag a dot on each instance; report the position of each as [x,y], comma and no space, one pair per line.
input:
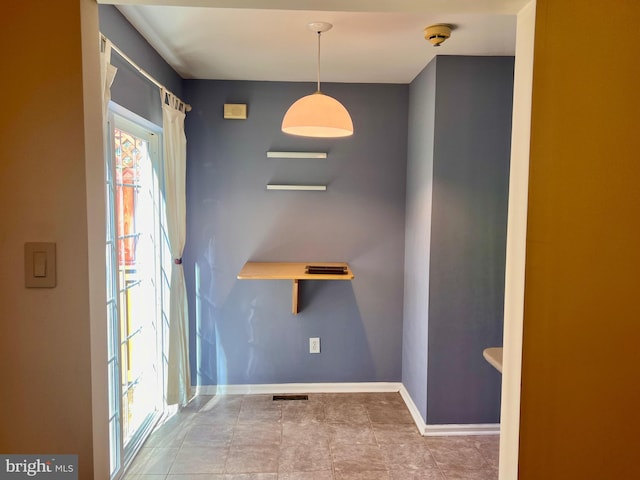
[326,270]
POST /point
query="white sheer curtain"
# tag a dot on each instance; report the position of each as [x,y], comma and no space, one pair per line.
[175,162]
[107,74]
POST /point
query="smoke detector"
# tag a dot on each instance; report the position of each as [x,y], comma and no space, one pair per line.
[437,33]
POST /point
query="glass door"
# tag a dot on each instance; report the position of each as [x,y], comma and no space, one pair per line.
[135,277]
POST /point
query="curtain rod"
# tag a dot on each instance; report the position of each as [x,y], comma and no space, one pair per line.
[142,72]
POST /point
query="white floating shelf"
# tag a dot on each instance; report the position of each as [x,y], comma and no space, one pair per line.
[297,187]
[296,154]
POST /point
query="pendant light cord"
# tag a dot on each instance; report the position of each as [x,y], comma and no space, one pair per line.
[318,69]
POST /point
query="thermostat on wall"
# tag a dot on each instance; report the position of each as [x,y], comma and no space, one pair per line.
[235,111]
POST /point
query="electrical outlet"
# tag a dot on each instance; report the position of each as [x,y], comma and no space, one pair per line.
[314,345]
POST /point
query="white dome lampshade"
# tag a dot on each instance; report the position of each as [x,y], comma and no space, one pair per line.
[317,115]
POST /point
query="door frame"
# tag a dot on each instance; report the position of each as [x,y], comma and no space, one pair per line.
[121,118]
[514,290]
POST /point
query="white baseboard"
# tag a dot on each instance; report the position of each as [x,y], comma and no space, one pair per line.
[276,388]
[445,430]
[363,387]
[462,429]
[413,410]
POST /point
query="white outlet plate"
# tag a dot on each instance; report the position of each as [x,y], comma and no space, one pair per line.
[314,345]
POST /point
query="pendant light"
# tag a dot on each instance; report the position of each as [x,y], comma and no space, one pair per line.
[318,115]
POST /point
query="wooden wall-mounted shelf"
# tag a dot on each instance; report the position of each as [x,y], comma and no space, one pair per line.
[290,271]
[493,355]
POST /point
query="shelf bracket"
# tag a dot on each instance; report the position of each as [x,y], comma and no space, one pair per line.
[295,296]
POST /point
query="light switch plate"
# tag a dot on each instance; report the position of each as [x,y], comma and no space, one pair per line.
[40,265]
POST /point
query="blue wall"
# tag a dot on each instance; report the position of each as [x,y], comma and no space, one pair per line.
[130,89]
[243,331]
[422,103]
[474,97]
[459,184]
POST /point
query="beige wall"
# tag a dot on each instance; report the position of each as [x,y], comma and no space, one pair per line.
[581,367]
[45,368]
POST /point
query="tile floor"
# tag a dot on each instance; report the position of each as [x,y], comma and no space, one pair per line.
[327,437]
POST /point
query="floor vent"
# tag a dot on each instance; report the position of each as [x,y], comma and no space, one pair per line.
[290,397]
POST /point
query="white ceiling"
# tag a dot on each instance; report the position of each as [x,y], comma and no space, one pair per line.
[372,41]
